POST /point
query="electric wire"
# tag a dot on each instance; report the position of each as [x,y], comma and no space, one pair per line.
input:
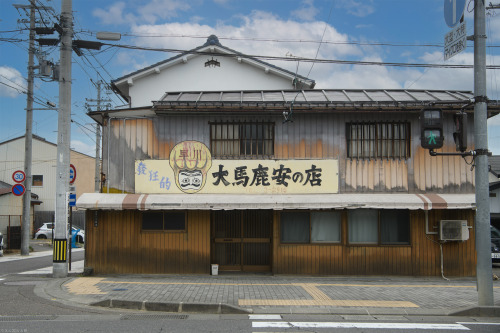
[303,59]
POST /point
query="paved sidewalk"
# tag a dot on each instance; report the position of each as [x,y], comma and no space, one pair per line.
[240,293]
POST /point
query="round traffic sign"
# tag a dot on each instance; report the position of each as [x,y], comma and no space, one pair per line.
[18,190]
[72,173]
[19,176]
[453,11]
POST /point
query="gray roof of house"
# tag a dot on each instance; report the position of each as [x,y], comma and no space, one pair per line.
[494,162]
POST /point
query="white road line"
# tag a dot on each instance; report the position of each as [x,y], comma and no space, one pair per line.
[399,326]
[264,317]
[476,323]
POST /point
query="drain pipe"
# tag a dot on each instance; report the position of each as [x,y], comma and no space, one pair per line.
[427,232]
[442,272]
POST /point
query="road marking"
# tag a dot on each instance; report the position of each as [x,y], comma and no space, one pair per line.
[405,326]
[264,317]
[331,302]
[476,323]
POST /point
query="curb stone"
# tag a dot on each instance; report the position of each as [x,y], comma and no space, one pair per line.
[214,308]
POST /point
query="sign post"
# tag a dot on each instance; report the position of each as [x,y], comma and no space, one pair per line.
[455,41]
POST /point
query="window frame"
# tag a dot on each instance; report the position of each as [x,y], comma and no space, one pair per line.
[164,214]
[33,181]
[379,222]
[235,135]
[310,241]
[378,140]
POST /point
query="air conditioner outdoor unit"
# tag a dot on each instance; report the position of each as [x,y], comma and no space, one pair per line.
[453,230]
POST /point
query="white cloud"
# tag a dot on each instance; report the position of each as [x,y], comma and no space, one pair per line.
[356,7]
[257,25]
[12,82]
[83,147]
[307,12]
[122,13]
[113,14]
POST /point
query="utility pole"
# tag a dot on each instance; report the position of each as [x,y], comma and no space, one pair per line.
[28,138]
[97,186]
[98,144]
[60,266]
[483,233]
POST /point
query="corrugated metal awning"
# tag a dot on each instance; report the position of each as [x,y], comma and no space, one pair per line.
[104,201]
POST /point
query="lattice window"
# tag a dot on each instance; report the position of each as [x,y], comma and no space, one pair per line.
[378,140]
[242,139]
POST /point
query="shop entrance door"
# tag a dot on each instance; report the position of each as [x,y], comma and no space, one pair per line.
[241,240]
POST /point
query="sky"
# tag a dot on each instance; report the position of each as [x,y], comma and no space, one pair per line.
[386,31]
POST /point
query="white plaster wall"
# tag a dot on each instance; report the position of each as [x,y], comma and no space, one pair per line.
[194,76]
[44,163]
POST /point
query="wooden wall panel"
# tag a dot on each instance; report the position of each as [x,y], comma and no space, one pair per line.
[118,246]
[308,136]
[420,258]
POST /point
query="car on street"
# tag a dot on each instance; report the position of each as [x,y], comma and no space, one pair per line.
[495,245]
[1,245]
[47,229]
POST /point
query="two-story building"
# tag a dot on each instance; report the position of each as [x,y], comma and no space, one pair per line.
[224,159]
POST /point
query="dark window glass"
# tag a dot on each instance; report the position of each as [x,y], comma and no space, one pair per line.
[152,221]
[295,227]
[395,226]
[175,220]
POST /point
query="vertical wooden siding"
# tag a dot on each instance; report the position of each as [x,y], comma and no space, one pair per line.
[308,136]
[117,245]
[420,258]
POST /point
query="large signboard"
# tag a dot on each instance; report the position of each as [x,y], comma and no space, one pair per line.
[191,169]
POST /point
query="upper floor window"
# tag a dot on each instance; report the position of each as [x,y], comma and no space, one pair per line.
[378,140]
[242,139]
[37,180]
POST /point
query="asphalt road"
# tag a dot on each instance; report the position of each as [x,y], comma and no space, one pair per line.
[165,322]
[23,265]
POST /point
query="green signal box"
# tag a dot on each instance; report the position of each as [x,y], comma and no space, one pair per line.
[431,128]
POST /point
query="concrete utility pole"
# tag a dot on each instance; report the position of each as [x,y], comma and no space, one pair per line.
[60,265]
[97,143]
[28,139]
[98,105]
[483,233]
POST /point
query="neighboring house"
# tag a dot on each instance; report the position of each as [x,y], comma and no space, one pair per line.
[43,171]
[11,210]
[279,179]
[494,164]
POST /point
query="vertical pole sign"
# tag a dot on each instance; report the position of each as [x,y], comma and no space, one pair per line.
[19,177]
[455,41]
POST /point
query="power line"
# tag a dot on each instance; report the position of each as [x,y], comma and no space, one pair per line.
[320,61]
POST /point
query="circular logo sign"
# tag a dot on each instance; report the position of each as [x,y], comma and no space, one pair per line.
[18,190]
[19,176]
[72,173]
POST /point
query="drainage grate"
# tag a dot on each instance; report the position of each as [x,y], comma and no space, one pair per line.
[153,317]
[28,318]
